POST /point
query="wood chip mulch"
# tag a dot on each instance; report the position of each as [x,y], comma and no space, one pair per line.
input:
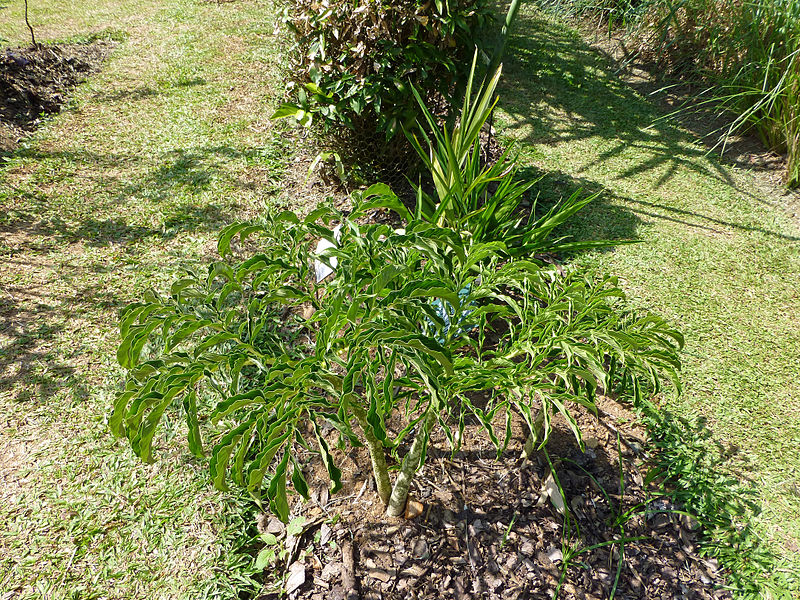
[490,529]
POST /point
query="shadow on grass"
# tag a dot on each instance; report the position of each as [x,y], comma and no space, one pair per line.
[614,217]
[143,92]
[177,187]
[557,88]
[32,319]
[686,458]
[181,189]
[104,232]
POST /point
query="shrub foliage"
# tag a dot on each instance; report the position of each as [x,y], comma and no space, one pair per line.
[353,63]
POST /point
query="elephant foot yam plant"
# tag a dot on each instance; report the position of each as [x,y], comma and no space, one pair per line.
[259,378]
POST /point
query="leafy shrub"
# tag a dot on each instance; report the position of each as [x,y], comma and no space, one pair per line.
[516,333]
[353,63]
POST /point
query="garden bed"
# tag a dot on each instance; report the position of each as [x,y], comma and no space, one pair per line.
[486,529]
[36,81]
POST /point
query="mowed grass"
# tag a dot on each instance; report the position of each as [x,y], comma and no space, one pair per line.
[126,187]
[171,140]
[720,255]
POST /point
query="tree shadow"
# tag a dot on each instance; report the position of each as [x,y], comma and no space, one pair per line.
[144,92]
[193,171]
[36,316]
[33,318]
[178,183]
[615,217]
[557,88]
[134,94]
[689,101]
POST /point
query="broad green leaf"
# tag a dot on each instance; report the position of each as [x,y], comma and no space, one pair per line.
[296,526]
[276,492]
[299,482]
[266,558]
[234,403]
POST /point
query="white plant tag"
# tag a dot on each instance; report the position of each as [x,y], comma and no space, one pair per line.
[320,268]
[550,490]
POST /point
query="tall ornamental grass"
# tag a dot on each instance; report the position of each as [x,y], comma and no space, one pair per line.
[746,55]
[750,52]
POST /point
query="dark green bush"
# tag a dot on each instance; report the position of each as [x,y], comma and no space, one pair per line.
[353,63]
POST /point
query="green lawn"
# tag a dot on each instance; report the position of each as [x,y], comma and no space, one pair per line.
[113,196]
[172,140]
[720,258]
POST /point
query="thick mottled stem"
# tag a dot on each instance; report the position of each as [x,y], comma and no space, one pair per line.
[376,455]
[397,502]
[534,436]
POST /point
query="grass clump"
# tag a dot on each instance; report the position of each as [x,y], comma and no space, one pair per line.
[745,56]
[684,464]
[750,53]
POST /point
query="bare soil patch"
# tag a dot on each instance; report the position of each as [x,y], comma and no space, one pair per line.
[37,80]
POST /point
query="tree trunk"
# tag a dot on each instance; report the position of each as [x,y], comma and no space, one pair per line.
[28,23]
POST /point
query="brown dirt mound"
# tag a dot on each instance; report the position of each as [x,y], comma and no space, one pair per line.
[36,80]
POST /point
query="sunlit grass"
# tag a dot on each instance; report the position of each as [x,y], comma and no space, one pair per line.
[720,257]
[128,185]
